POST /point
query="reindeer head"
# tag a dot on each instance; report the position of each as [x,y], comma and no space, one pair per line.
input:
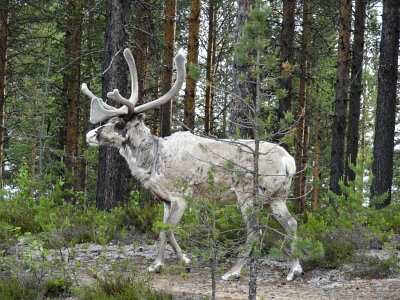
[114,132]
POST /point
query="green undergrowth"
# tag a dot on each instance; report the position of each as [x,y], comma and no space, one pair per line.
[337,235]
[121,287]
[108,287]
[347,235]
[63,224]
[349,228]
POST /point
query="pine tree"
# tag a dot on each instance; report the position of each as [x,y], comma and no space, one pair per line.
[341,99]
[382,167]
[249,54]
[113,171]
[3,68]
[192,61]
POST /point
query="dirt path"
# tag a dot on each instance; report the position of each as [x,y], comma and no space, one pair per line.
[307,287]
[316,284]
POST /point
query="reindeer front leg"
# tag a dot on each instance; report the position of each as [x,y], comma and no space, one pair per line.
[159,261]
[173,212]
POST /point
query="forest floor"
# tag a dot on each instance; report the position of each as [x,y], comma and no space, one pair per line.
[313,284]
[83,261]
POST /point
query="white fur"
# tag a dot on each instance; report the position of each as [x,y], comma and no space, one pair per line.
[178,165]
[166,166]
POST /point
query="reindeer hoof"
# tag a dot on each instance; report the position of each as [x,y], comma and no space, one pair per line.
[155,269]
[296,272]
[230,277]
[186,259]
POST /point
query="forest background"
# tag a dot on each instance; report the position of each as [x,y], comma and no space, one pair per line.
[329,95]
[312,93]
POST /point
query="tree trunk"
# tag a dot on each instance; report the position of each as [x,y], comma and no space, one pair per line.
[83,178]
[3,69]
[209,101]
[285,82]
[342,83]
[71,90]
[353,134]
[32,167]
[155,124]
[382,167]
[316,168]
[192,60]
[169,35]
[363,124]
[302,130]
[254,220]
[140,54]
[42,126]
[244,91]
[113,170]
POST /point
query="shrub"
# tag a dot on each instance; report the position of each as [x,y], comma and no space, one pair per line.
[18,213]
[57,286]
[120,287]
[25,287]
[371,267]
[347,224]
[12,288]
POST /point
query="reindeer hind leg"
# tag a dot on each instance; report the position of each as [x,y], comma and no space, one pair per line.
[280,212]
[235,271]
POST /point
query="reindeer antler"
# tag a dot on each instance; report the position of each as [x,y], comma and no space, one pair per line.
[87,92]
[101,111]
[180,78]
[115,95]
[180,66]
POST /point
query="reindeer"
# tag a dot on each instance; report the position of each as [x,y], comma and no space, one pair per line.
[165,165]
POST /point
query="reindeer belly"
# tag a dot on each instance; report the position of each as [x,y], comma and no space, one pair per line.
[224,196]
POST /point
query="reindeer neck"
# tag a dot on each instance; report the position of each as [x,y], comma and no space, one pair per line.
[140,150]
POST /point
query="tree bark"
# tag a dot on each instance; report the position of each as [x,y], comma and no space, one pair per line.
[254,220]
[86,104]
[113,171]
[192,60]
[244,91]
[142,49]
[302,130]
[382,167]
[71,91]
[342,83]
[169,35]
[32,168]
[316,168]
[209,101]
[285,82]
[353,134]
[3,69]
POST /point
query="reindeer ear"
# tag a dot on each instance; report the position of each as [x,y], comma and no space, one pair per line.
[101,111]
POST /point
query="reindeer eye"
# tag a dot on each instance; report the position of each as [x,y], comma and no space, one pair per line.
[120,125]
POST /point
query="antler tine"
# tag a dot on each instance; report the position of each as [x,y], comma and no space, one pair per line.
[180,78]
[134,78]
[115,95]
[87,92]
